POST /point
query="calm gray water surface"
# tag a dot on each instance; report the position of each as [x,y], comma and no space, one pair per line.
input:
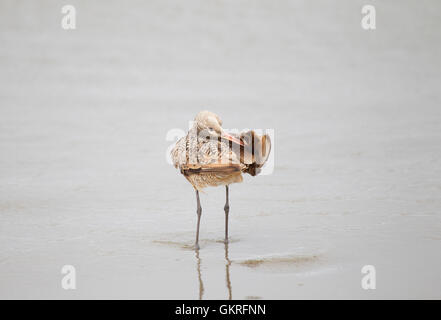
[84,178]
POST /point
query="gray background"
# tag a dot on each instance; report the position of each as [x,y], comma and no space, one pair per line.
[83,175]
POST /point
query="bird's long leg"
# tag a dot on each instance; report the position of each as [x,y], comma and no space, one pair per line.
[199,213]
[227,211]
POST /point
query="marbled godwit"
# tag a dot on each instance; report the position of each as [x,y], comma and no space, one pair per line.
[208,156]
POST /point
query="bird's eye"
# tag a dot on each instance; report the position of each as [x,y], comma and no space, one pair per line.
[210,128]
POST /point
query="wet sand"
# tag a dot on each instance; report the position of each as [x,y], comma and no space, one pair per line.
[84,179]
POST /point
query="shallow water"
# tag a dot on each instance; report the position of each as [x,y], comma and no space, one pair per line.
[84,179]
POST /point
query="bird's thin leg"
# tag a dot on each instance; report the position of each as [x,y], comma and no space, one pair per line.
[227,211]
[199,213]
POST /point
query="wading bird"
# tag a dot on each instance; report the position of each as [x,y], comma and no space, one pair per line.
[209,156]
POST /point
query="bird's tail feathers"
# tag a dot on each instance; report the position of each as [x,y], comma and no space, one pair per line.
[255,152]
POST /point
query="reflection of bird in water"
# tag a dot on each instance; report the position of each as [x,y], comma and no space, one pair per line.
[227,273]
[208,156]
[201,284]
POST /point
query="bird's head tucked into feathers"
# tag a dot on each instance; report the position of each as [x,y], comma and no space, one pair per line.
[209,122]
[209,126]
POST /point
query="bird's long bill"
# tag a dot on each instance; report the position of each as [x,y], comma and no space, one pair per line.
[231,138]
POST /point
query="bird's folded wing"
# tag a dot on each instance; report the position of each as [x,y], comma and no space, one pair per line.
[210,168]
[255,150]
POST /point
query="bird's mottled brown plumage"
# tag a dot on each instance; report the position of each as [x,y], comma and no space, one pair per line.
[206,158]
